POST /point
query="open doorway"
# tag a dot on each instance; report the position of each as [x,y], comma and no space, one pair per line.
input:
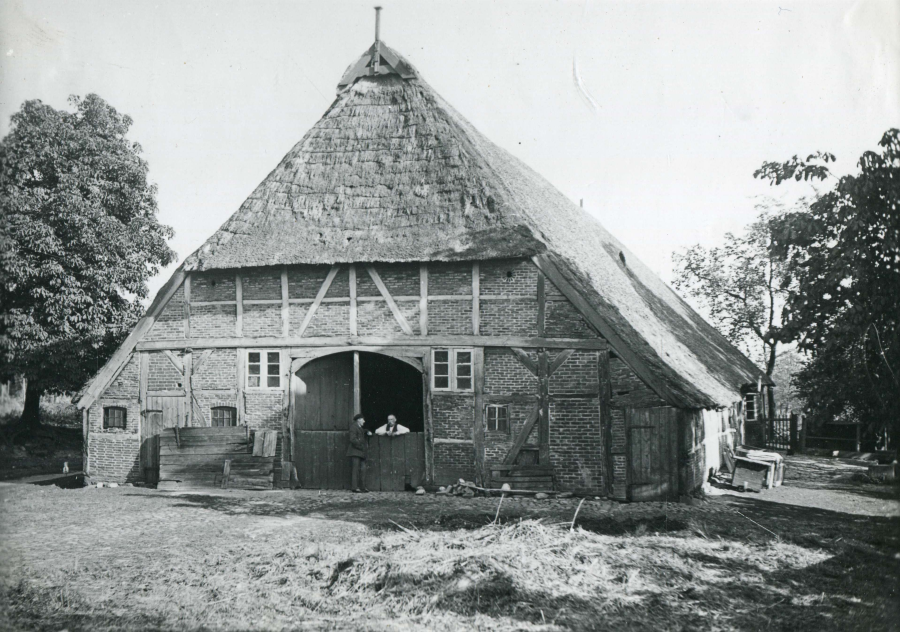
[390,386]
[322,412]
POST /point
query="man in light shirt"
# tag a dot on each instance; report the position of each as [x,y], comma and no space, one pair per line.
[391,428]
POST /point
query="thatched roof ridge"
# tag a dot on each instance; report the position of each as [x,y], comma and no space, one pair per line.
[393,173]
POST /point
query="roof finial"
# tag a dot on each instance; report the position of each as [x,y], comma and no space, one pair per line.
[377,24]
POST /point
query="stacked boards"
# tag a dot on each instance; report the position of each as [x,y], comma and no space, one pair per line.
[531,477]
[198,458]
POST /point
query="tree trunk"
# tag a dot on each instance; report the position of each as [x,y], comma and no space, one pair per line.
[31,413]
[770,361]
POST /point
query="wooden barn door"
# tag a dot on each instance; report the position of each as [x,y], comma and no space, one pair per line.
[161,412]
[652,453]
[321,419]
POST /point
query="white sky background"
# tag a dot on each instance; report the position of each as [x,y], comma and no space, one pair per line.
[690,97]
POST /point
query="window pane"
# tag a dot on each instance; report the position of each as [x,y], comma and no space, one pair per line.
[441,381]
[253,369]
[273,369]
[442,369]
[273,381]
[253,381]
[253,356]
[464,370]
[463,357]
[464,383]
[441,355]
[274,357]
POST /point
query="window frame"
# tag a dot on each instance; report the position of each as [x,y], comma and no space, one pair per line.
[123,410]
[453,386]
[212,416]
[263,377]
[754,398]
[487,418]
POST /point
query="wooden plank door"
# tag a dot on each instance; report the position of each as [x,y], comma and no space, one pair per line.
[652,451]
[161,413]
[395,461]
[322,417]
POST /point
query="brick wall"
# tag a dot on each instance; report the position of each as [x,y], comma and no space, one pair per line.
[578,374]
[628,390]
[162,374]
[264,409]
[215,321]
[576,447]
[127,382]
[260,284]
[504,374]
[114,458]
[169,324]
[305,282]
[453,415]
[262,320]
[330,319]
[114,453]
[495,278]
[218,372]
[562,320]
[453,461]
[212,286]
[450,317]
[509,317]
[401,279]
[450,278]
[374,318]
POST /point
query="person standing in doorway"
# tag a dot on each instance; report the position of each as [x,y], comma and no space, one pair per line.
[357,453]
[391,428]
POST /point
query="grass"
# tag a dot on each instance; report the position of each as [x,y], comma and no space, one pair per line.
[25,452]
[135,559]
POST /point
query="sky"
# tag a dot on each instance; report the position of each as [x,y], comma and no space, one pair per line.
[654,114]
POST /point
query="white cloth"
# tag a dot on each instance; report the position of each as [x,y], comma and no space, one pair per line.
[398,430]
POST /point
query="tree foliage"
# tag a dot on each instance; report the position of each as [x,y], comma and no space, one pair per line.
[843,256]
[742,288]
[79,237]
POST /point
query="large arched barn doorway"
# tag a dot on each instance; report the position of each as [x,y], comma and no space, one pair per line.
[333,388]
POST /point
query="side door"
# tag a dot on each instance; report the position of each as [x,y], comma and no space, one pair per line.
[161,413]
[652,453]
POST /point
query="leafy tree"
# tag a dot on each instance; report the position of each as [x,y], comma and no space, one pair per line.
[79,239]
[742,288]
[843,256]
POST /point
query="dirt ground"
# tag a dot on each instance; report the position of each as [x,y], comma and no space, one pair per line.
[820,553]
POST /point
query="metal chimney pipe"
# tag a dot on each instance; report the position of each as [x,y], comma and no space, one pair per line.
[377,24]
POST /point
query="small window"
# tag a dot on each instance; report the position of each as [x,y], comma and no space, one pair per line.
[750,407]
[463,370]
[263,369]
[224,416]
[114,417]
[451,370]
[497,418]
[441,370]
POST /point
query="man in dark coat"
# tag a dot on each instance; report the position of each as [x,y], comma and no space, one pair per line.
[357,453]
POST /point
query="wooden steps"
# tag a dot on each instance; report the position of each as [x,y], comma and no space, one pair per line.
[195,458]
[525,477]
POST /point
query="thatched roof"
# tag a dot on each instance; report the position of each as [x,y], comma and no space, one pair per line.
[391,172]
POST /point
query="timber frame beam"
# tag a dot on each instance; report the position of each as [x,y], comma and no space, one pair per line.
[372,341]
